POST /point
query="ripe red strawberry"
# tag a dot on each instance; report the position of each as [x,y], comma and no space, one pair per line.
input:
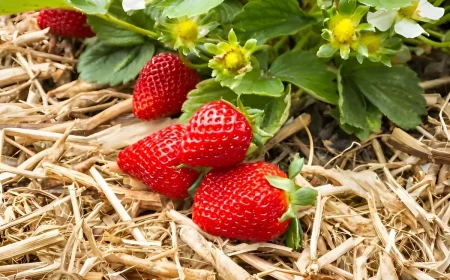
[217,136]
[162,87]
[153,159]
[239,203]
[65,23]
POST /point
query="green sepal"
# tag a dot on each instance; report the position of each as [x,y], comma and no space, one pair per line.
[296,166]
[289,214]
[281,183]
[303,197]
[294,235]
[326,51]
[257,139]
[359,13]
[347,7]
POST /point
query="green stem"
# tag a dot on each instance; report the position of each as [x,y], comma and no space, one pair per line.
[435,33]
[318,14]
[261,48]
[413,41]
[302,42]
[129,26]
[204,57]
[443,20]
[437,3]
[189,64]
[280,43]
[434,43]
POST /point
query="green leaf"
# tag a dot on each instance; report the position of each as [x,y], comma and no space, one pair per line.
[373,116]
[276,110]
[347,7]
[352,105]
[281,183]
[361,133]
[189,8]
[387,4]
[226,11]
[104,64]
[8,7]
[306,71]
[114,35]
[206,91]
[395,91]
[296,166]
[91,6]
[304,196]
[294,235]
[265,19]
[259,83]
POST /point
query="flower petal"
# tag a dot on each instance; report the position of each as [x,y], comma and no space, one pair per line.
[382,20]
[129,5]
[408,28]
[427,10]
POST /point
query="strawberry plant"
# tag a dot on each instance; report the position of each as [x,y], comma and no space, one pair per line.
[345,53]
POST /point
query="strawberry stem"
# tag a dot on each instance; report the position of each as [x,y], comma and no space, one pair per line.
[194,187]
[129,26]
[189,64]
[294,235]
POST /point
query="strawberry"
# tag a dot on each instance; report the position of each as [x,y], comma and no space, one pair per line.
[252,202]
[65,23]
[239,203]
[162,87]
[153,159]
[217,135]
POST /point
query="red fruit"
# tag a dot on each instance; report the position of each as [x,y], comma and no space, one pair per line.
[65,23]
[162,87]
[239,203]
[153,159]
[217,136]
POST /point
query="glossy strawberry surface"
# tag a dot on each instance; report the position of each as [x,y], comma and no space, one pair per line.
[239,203]
[65,23]
[217,135]
[162,87]
[153,159]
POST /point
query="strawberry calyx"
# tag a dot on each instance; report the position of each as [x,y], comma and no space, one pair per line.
[296,196]
[254,118]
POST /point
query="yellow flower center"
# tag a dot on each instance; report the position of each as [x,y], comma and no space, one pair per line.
[372,42]
[188,30]
[344,31]
[234,60]
[409,11]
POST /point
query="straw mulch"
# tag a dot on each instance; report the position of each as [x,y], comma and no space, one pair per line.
[66,211]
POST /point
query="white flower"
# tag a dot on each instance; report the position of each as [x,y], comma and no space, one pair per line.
[405,18]
[130,5]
